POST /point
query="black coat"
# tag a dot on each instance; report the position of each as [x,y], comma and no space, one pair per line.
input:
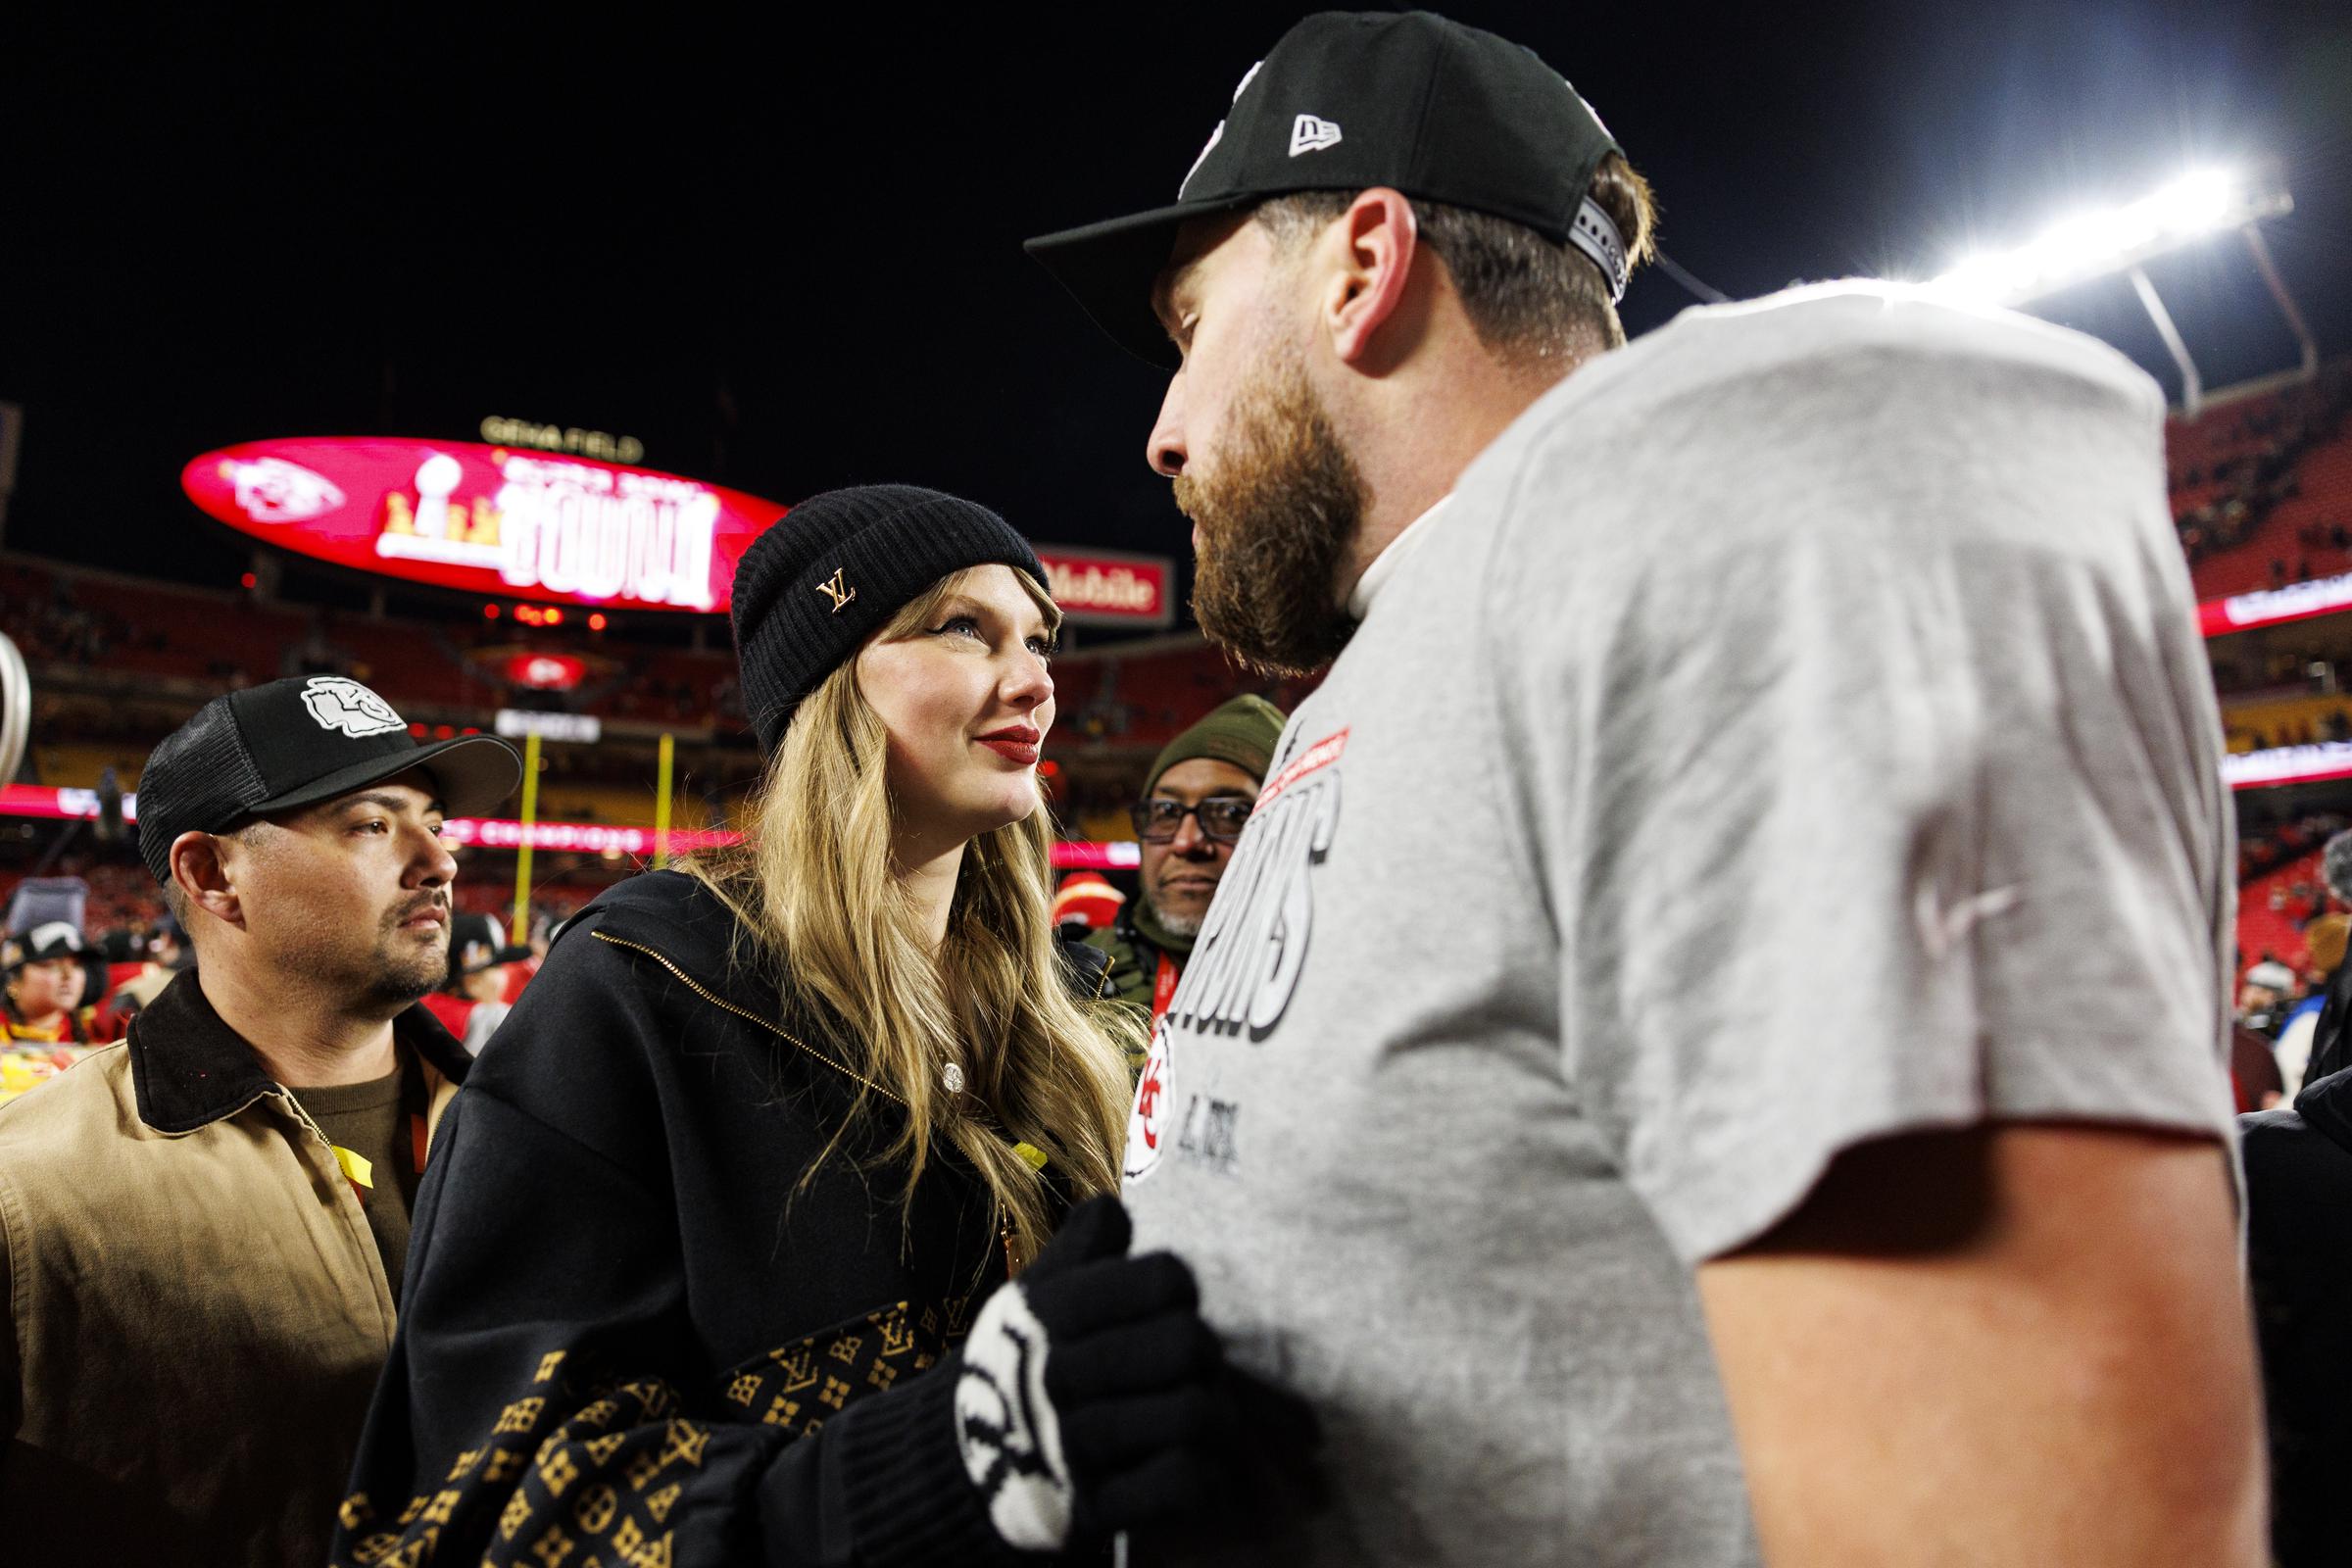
[629,1325]
[2299,1247]
[2330,1041]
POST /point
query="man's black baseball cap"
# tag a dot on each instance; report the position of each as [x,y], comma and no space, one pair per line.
[294,742]
[1441,112]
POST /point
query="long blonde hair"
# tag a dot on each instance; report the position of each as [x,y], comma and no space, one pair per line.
[813,884]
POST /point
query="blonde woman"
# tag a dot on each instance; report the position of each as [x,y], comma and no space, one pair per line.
[710,1263]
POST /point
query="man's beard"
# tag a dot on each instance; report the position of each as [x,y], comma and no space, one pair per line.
[1176,926]
[1277,520]
[400,972]
[396,982]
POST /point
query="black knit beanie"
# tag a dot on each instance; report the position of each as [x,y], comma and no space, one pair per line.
[836,568]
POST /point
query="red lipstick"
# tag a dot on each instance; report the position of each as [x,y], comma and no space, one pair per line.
[1015,743]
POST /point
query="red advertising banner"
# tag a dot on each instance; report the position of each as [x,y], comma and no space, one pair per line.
[505,833]
[487,520]
[1110,589]
[2269,606]
[2288,765]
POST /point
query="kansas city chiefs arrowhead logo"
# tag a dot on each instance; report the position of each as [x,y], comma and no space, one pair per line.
[341,703]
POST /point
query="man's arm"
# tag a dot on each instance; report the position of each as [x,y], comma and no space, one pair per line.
[2017,1344]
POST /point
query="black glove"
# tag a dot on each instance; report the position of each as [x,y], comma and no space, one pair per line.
[1091,1398]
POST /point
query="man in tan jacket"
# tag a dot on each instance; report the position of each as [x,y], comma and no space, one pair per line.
[202,1229]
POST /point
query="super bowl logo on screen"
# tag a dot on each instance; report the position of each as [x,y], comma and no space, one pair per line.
[487,520]
[577,528]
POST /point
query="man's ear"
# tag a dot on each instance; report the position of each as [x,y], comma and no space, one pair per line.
[205,877]
[1375,240]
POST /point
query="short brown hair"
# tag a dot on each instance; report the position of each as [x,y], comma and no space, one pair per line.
[1530,300]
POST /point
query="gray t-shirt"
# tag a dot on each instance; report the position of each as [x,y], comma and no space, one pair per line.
[1794,731]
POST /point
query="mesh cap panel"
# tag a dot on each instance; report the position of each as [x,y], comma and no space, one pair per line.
[200,779]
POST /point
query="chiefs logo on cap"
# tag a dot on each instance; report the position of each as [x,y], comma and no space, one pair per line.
[341,703]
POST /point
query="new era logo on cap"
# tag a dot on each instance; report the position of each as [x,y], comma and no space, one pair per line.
[1311,135]
[1445,114]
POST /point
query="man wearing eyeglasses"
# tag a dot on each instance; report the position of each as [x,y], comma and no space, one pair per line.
[1200,790]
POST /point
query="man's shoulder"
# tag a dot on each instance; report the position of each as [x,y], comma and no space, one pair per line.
[60,1118]
[1778,421]
[1870,343]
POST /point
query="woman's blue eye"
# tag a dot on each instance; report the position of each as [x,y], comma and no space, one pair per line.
[958,624]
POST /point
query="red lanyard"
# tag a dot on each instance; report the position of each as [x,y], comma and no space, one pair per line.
[1163,986]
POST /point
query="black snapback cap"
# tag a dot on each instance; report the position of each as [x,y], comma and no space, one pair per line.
[293,742]
[1345,101]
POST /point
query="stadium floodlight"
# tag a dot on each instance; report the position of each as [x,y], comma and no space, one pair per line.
[2103,242]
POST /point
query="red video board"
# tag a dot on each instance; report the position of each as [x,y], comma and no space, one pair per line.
[547,672]
[2269,606]
[488,519]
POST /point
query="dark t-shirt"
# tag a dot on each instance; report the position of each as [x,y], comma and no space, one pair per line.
[373,1121]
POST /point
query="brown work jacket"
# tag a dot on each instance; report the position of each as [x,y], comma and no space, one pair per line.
[196,1307]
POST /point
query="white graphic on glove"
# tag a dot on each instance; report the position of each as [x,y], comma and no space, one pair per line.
[340,703]
[1006,1428]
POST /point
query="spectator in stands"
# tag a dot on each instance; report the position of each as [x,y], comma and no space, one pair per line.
[478,956]
[222,1202]
[50,969]
[2254,1075]
[2263,998]
[1084,903]
[2324,943]
[1646,658]
[168,954]
[1197,799]
[763,1135]
[2331,1032]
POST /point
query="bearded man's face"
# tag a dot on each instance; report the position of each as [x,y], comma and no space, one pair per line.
[1277,508]
[1259,464]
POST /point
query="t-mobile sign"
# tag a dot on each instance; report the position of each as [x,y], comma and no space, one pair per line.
[1102,588]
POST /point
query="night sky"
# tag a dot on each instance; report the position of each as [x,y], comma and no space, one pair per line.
[786,254]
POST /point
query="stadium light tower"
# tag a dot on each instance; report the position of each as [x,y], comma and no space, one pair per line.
[2103,242]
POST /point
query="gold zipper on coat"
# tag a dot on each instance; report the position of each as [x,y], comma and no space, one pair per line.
[694,986]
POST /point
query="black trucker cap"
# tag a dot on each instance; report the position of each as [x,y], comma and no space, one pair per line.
[294,742]
[1426,105]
